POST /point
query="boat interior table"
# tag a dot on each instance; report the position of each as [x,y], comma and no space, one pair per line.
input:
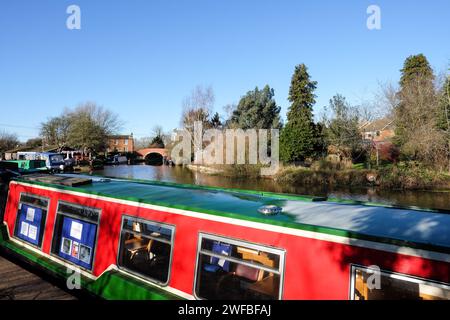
[134,246]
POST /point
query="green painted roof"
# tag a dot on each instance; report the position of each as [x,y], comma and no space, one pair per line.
[428,229]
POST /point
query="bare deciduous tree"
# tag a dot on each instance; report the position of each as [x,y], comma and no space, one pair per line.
[197,107]
[157,131]
[417,116]
[85,127]
[229,110]
[104,118]
[142,143]
[445,115]
[8,141]
[342,128]
[56,131]
[386,100]
[157,138]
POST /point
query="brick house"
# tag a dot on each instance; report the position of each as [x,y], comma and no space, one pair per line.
[379,134]
[120,143]
[378,130]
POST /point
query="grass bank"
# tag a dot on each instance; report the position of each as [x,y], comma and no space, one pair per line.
[230,171]
[306,176]
[402,176]
[413,178]
[393,177]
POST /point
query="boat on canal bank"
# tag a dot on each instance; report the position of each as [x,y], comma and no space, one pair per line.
[133,239]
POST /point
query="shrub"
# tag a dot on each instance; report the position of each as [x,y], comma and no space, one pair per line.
[411,175]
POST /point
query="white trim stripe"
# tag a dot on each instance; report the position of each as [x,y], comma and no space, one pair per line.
[421,253]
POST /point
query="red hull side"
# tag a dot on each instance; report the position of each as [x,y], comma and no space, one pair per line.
[315,269]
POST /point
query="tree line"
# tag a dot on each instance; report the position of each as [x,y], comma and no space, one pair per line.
[85,127]
[419,108]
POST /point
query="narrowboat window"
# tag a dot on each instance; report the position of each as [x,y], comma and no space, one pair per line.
[394,287]
[75,234]
[31,216]
[230,269]
[146,248]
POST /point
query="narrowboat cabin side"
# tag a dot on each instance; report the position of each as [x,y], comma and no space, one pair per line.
[24,166]
[155,240]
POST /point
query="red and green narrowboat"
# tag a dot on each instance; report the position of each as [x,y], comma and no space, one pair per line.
[133,239]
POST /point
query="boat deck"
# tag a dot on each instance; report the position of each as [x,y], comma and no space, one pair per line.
[18,283]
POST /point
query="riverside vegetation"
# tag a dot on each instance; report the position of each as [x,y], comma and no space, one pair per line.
[418,107]
[389,177]
[419,110]
[403,176]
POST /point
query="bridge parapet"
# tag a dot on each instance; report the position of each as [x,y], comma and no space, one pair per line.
[145,152]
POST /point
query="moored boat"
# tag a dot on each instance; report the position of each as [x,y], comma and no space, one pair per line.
[155,240]
[24,166]
[53,161]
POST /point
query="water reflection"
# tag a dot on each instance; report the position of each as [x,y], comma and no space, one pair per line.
[424,199]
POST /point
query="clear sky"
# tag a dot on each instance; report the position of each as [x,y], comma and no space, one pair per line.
[141,58]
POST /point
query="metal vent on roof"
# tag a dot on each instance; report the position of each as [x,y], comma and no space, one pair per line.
[270,210]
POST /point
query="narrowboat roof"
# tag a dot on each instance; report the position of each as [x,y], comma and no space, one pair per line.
[407,226]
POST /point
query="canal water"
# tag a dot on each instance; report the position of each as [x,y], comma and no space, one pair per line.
[424,199]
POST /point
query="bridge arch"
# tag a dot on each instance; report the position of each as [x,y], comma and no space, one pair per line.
[154,156]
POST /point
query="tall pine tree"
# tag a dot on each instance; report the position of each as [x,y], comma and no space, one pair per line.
[416,68]
[298,138]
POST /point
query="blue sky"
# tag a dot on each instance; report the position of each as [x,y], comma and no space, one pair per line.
[141,58]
